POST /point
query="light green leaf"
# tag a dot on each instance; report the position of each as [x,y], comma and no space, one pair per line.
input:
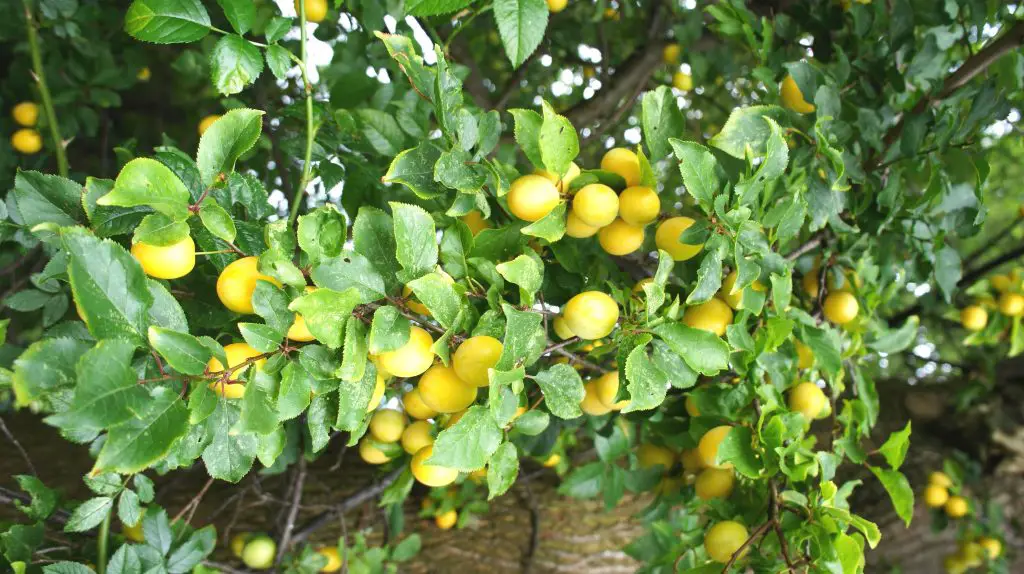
[551,227]
[899,490]
[234,64]
[895,447]
[703,351]
[415,240]
[521,329]
[737,448]
[661,119]
[563,390]
[147,182]
[559,144]
[439,297]
[167,21]
[374,237]
[144,439]
[525,271]
[182,351]
[45,198]
[217,221]
[226,140]
[647,384]
[230,455]
[89,514]
[353,361]
[521,24]
[322,233]
[527,133]
[502,470]
[241,14]
[325,312]
[746,129]
[388,331]
[468,444]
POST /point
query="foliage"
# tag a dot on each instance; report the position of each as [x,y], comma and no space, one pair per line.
[378,196]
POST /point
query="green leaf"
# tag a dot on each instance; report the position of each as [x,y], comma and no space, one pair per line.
[108,392]
[263,338]
[533,422]
[271,303]
[89,514]
[350,270]
[182,351]
[521,330]
[277,28]
[439,297]
[226,140]
[709,274]
[129,510]
[661,119]
[736,448]
[647,384]
[46,367]
[230,455]
[434,7]
[703,351]
[948,271]
[156,528]
[293,394]
[144,439]
[374,237]
[193,551]
[21,541]
[258,414]
[559,144]
[895,448]
[217,221]
[322,233]
[525,271]
[747,128]
[353,398]
[145,181]
[241,14]
[66,567]
[468,444]
[125,561]
[45,198]
[527,133]
[388,331]
[521,24]
[825,345]
[353,361]
[899,490]
[107,221]
[563,390]
[234,64]
[160,230]
[455,170]
[109,287]
[502,470]
[167,21]
[325,312]
[403,51]
[415,240]
[551,227]
[896,340]
[44,499]
[279,61]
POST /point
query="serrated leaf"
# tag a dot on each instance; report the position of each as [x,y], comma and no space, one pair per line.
[182,351]
[746,129]
[389,330]
[563,390]
[230,455]
[89,514]
[502,470]
[661,119]
[527,126]
[551,227]
[415,239]
[703,351]
[220,146]
[559,144]
[234,64]
[468,444]
[325,312]
[167,21]
[241,14]
[899,490]
[142,440]
[45,198]
[521,24]
[647,384]
[217,220]
[147,182]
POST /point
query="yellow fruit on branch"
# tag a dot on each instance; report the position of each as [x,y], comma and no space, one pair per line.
[957,507]
[259,553]
[334,561]
[446,520]
[992,546]
[562,328]
[735,299]
[725,539]
[378,393]
[596,204]
[415,407]
[237,542]
[651,455]
[386,425]
[682,81]
[590,404]
[144,74]
[607,387]
[206,122]
[691,407]
[556,6]
[552,460]
[236,354]
[667,238]
[692,464]
[624,163]
[639,205]
[620,238]
[973,317]
[26,141]
[168,261]
[475,221]
[708,447]
[940,479]
[712,315]
[670,54]
[575,228]
[25,114]
[236,283]
[443,391]
[474,357]
[531,197]
[412,358]
[808,400]
[370,453]
[792,98]
[714,483]
[935,496]
[840,308]
[1000,283]
[1011,304]
[561,182]
[316,10]
[416,436]
[430,474]
[591,315]
[805,357]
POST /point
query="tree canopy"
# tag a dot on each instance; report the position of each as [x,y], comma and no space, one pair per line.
[674,249]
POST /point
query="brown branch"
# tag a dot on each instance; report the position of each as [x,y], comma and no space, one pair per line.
[573,358]
[811,244]
[293,510]
[761,530]
[193,504]
[17,445]
[561,345]
[346,505]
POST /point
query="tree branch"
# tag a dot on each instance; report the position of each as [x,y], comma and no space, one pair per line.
[293,509]
[346,505]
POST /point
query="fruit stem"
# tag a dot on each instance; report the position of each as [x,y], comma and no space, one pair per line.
[306,167]
[101,543]
[44,90]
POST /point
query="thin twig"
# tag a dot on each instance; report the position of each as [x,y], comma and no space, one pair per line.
[293,511]
[346,505]
[761,530]
[21,450]
[190,508]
